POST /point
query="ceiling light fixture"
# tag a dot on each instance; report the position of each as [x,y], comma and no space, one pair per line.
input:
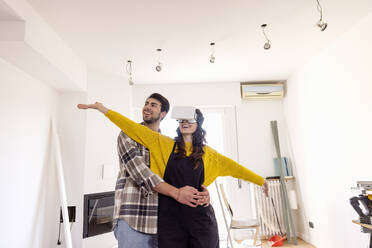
[212,58]
[129,72]
[321,24]
[267,44]
[159,66]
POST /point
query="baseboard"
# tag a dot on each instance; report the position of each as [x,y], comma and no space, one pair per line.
[303,237]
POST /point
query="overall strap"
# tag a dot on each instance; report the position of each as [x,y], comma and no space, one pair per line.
[173,149]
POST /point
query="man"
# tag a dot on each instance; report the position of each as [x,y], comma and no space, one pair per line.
[136,198]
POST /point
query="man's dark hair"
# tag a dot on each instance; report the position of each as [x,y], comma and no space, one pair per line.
[164,101]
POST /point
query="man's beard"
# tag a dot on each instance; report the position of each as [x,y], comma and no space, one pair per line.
[152,120]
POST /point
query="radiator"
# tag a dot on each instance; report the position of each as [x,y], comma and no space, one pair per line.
[265,209]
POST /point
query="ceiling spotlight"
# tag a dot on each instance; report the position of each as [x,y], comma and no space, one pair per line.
[321,24]
[129,72]
[159,66]
[212,58]
[267,44]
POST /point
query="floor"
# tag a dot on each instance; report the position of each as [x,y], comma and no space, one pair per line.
[301,244]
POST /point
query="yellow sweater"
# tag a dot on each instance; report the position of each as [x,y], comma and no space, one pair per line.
[160,146]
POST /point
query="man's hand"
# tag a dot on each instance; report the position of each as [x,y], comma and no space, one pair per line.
[192,197]
[188,195]
[204,197]
[265,189]
[99,106]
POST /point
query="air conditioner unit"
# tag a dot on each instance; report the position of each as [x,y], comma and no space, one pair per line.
[262,90]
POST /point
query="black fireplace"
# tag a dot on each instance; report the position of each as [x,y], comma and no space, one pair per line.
[98,212]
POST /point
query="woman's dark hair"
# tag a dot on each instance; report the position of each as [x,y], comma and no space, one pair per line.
[198,142]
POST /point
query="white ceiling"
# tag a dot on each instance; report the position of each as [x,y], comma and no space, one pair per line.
[107,33]
[6,14]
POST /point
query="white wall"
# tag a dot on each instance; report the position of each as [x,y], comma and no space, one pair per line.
[220,94]
[101,135]
[100,138]
[255,139]
[28,180]
[30,203]
[72,133]
[329,115]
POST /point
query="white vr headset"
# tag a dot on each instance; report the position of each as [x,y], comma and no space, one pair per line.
[184,113]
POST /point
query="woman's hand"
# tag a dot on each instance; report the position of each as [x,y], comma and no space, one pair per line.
[97,105]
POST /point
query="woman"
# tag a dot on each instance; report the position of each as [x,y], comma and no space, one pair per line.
[186,160]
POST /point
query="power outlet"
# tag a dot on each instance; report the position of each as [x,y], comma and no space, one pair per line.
[311,224]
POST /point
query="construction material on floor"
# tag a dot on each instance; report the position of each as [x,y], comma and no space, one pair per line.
[300,244]
[288,220]
[265,211]
[362,204]
[56,148]
[277,240]
[287,167]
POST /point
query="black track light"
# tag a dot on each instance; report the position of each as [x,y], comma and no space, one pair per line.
[159,66]
[129,72]
[321,24]
[212,58]
[267,44]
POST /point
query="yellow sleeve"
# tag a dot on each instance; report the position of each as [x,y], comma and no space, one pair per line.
[135,131]
[221,165]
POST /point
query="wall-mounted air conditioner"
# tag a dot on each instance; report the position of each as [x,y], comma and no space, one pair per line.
[262,90]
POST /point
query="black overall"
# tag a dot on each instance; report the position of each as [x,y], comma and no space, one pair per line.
[181,226]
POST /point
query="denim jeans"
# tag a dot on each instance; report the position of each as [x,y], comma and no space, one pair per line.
[127,237]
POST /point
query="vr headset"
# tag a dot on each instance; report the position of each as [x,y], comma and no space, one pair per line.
[181,113]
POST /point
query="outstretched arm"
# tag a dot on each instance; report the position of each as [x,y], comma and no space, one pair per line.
[135,131]
[99,106]
[186,195]
[229,167]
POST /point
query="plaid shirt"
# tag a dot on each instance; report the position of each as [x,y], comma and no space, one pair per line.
[135,200]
